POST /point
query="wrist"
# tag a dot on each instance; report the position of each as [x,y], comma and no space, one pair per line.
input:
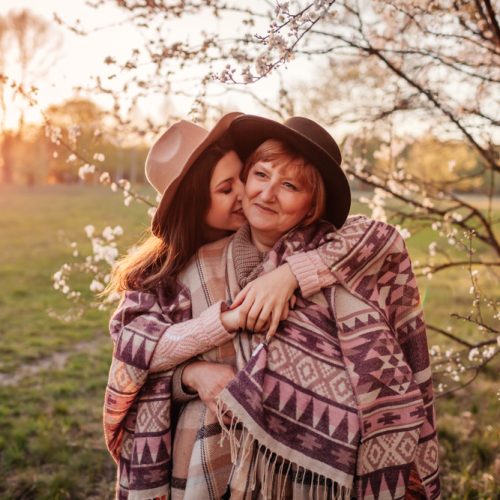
[227,321]
[292,280]
[189,378]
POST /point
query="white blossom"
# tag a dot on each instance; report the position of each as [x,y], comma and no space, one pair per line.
[86,169]
[473,354]
[104,178]
[89,230]
[108,233]
[405,234]
[96,286]
[125,184]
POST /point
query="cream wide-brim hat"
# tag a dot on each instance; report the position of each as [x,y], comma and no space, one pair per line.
[174,153]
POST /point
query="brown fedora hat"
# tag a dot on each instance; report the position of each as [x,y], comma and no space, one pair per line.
[313,142]
[174,153]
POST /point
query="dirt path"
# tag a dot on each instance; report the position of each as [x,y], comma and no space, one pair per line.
[55,361]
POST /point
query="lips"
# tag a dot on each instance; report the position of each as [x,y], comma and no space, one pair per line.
[265,209]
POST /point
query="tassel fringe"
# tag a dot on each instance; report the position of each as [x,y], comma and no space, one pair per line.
[242,443]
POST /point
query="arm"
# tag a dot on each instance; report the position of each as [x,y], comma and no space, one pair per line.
[135,328]
[308,266]
[187,339]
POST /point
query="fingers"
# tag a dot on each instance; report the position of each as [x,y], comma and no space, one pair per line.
[284,312]
[273,326]
[239,299]
[253,316]
[263,319]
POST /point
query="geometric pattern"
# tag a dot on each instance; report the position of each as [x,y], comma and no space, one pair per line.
[379,342]
[137,417]
[389,450]
[291,389]
[342,395]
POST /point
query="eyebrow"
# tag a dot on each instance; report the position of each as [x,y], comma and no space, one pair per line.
[265,166]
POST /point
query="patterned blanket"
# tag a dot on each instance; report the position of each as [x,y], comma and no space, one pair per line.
[343,392]
[378,347]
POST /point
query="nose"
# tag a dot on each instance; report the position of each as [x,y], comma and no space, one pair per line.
[268,192]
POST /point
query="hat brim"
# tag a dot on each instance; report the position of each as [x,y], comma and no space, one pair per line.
[249,132]
[217,132]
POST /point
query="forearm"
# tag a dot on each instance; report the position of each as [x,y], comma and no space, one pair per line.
[311,272]
[186,340]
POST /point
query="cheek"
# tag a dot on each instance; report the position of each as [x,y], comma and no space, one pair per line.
[299,206]
[250,188]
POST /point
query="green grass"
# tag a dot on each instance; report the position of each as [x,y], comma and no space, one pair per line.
[51,442]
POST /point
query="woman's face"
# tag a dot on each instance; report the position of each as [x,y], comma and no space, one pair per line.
[226,192]
[275,200]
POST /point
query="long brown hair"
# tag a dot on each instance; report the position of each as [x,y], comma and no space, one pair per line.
[158,260]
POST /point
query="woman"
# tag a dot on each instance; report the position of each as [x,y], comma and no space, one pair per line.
[360,420]
[262,451]
[186,163]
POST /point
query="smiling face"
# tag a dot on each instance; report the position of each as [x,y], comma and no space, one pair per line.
[276,199]
[283,189]
[226,190]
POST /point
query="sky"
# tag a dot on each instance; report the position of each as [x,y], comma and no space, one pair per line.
[80,58]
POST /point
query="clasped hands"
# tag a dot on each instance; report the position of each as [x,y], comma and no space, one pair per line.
[263,303]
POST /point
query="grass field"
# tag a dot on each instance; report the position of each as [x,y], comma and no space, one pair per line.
[53,373]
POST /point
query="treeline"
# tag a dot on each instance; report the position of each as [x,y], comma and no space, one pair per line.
[79,134]
[34,156]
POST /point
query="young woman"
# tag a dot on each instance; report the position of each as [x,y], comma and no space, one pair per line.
[283,191]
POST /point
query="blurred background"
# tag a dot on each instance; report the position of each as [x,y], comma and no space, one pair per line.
[409,89]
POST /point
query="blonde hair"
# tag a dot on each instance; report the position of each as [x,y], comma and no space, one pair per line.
[283,156]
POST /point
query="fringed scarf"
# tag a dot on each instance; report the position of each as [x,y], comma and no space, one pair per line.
[339,404]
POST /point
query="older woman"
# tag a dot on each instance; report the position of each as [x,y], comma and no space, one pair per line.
[339,403]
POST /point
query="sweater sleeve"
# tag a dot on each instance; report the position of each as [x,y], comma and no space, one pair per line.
[185,340]
[321,266]
[311,272]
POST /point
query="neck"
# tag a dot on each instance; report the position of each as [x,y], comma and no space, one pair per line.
[263,242]
[211,234]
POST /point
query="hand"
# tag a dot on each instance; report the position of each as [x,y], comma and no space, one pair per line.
[265,302]
[230,319]
[208,379]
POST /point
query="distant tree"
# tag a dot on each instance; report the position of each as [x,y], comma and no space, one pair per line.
[82,126]
[29,46]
